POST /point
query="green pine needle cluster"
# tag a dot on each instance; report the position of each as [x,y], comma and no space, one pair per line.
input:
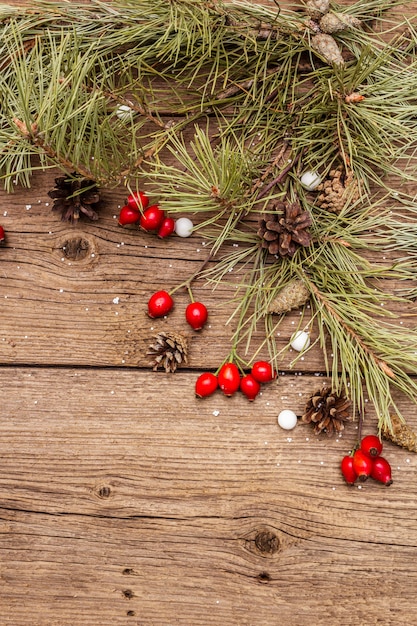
[223,105]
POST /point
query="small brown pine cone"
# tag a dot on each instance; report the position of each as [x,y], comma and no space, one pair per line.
[401,434]
[317,8]
[327,48]
[292,296]
[338,190]
[327,412]
[285,230]
[169,350]
[335,22]
[74,195]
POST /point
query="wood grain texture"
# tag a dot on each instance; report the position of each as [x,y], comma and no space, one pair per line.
[124,500]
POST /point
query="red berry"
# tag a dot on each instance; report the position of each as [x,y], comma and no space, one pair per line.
[348,472]
[160,303]
[262,372]
[2,235]
[206,384]
[138,200]
[381,471]
[229,379]
[371,445]
[128,215]
[196,315]
[362,464]
[166,228]
[152,218]
[250,387]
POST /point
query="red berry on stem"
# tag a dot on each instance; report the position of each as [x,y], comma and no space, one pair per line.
[262,372]
[166,228]
[138,200]
[362,464]
[152,218]
[371,445]
[2,235]
[229,379]
[206,384]
[348,472]
[160,303]
[128,215]
[381,471]
[250,387]
[196,315]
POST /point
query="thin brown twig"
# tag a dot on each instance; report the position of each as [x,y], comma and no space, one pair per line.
[379,362]
[35,138]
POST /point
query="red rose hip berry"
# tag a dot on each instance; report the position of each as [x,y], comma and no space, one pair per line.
[362,464]
[152,218]
[262,372]
[250,387]
[206,384]
[196,315]
[2,235]
[371,445]
[159,304]
[138,200]
[128,215]
[381,471]
[166,228]
[348,472]
[229,379]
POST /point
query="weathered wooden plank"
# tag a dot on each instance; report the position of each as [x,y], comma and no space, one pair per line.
[78,295]
[122,496]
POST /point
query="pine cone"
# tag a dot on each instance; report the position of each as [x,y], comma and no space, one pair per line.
[327,48]
[401,434]
[317,8]
[326,411]
[285,230]
[169,350]
[292,296]
[337,191]
[73,195]
[335,22]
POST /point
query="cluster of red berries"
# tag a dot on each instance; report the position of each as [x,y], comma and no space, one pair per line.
[229,380]
[366,462]
[161,303]
[137,210]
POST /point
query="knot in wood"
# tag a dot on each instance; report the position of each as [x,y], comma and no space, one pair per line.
[267,542]
[76,248]
[104,492]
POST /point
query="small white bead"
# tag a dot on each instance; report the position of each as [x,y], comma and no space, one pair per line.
[124,112]
[300,341]
[310,180]
[287,419]
[183,227]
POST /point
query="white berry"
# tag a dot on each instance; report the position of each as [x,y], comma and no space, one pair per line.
[124,112]
[183,227]
[300,341]
[287,419]
[310,180]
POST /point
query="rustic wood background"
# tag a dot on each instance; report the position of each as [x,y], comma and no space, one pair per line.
[124,499]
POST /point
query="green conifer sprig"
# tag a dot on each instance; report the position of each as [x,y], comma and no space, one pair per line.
[261,106]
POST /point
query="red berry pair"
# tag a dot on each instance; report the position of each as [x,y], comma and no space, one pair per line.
[150,218]
[229,380]
[366,462]
[161,303]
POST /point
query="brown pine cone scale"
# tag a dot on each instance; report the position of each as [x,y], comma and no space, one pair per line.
[285,229]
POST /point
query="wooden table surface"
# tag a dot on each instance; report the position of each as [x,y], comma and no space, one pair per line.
[124,500]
